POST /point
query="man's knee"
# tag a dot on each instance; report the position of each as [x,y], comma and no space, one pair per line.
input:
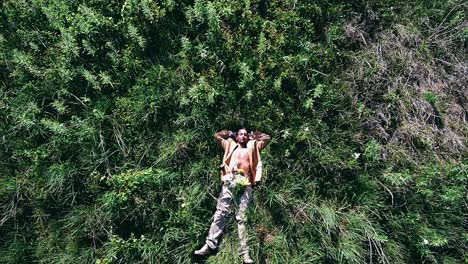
[240,218]
[221,212]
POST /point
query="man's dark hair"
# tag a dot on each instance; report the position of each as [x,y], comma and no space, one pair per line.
[241,129]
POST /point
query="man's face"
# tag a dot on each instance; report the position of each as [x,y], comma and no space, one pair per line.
[242,136]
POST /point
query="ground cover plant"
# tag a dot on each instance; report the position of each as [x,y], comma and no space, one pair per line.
[108,111]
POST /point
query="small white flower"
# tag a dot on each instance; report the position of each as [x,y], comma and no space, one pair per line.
[356,155]
[425,241]
[306,129]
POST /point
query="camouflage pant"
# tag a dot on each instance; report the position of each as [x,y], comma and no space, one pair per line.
[223,209]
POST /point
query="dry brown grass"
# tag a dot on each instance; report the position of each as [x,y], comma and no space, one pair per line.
[416,101]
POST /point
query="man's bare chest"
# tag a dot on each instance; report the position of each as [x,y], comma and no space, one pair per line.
[241,154]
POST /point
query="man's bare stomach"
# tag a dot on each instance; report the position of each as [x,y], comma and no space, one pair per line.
[245,169]
[240,157]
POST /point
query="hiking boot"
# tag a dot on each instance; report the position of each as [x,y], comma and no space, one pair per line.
[205,250]
[247,259]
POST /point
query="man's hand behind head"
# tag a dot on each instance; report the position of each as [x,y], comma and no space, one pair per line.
[232,134]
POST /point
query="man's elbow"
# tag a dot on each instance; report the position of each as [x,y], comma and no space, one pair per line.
[266,138]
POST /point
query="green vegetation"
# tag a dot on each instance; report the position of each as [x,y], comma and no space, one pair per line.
[108,110]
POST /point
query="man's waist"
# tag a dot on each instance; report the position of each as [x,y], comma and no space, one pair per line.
[225,169]
[235,179]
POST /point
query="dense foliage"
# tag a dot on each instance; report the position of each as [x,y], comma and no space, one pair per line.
[108,110]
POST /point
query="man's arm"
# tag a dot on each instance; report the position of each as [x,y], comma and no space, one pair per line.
[221,137]
[262,139]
